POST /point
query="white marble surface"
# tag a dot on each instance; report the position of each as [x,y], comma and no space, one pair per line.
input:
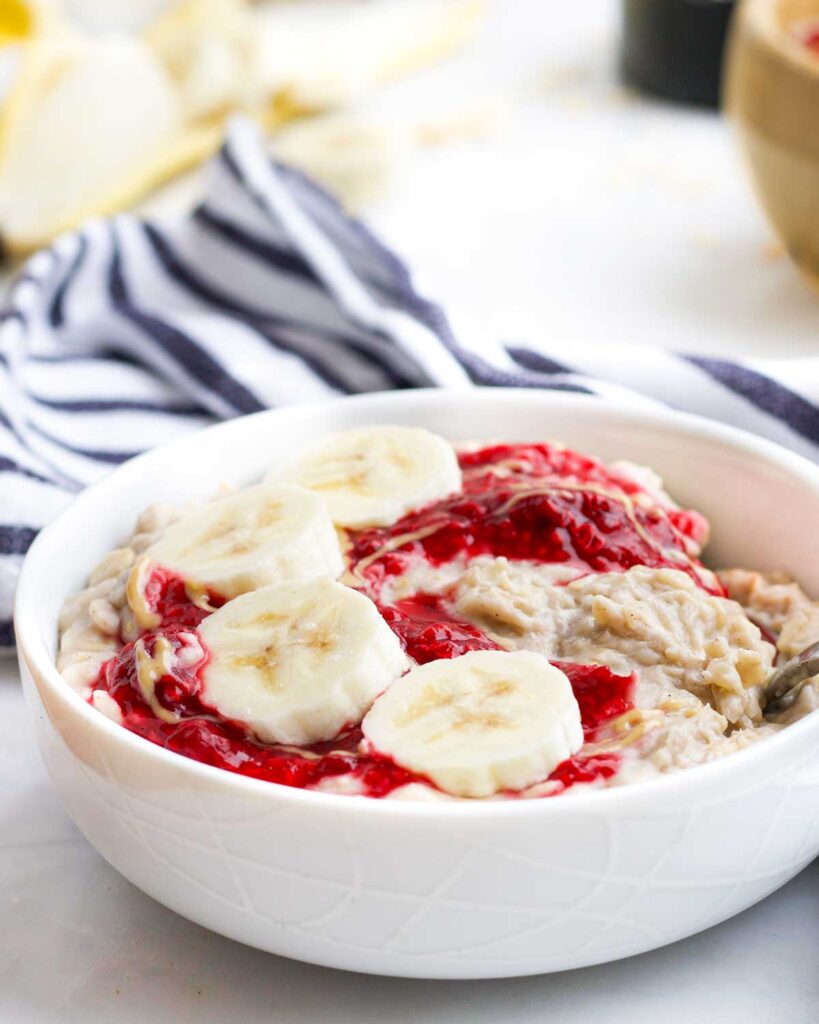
[591,216]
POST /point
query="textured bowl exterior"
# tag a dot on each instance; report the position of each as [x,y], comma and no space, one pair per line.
[436,890]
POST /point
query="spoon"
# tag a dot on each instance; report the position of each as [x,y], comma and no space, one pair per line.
[785,682]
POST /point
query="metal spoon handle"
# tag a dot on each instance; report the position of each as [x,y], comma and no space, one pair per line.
[782,686]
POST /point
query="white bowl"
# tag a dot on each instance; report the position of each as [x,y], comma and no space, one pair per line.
[439,890]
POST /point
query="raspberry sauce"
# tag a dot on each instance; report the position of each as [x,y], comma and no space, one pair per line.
[536,502]
[807,33]
[166,595]
[539,503]
[204,736]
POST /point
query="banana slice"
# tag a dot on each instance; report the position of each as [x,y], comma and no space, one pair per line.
[481,723]
[297,662]
[372,476]
[249,539]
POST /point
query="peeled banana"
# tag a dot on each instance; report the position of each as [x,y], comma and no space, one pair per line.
[478,724]
[371,476]
[298,662]
[256,536]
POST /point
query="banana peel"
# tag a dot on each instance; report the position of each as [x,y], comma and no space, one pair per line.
[211,49]
[316,55]
[16,21]
[321,64]
[81,118]
[23,19]
[171,66]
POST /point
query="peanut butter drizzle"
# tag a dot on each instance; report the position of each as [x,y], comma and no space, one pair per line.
[632,726]
[135,591]
[151,668]
[353,576]
[197,594]
[506,467]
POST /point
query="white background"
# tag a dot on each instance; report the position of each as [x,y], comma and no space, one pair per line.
[588,216]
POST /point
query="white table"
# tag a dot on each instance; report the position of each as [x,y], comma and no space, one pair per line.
[593,217]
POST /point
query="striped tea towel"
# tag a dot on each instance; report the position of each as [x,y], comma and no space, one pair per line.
[130,332]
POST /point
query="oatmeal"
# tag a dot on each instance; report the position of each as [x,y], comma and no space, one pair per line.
[387,616]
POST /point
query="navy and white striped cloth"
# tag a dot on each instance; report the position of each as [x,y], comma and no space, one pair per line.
[130,332]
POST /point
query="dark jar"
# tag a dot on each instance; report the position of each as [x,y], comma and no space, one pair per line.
[673,48]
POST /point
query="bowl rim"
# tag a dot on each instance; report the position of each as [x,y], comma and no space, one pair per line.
[31,647]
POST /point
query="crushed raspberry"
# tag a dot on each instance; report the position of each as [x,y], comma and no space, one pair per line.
[537,502]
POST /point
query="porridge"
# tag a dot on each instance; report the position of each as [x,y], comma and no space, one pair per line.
[388,616]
